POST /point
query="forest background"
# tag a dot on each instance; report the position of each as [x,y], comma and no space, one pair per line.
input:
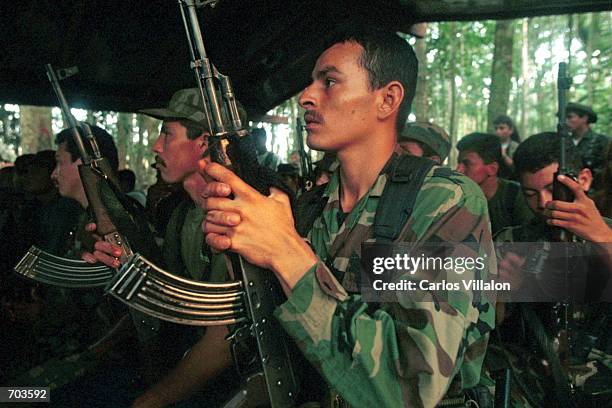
[469,72]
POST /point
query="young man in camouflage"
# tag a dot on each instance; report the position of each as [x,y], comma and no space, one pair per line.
[372,354]
[480,159]
[182,142]
[591,146]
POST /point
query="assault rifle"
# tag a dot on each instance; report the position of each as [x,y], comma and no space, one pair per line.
[247,302]
[112,210]
[560,191]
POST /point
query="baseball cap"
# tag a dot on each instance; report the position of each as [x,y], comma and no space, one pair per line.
[430,134]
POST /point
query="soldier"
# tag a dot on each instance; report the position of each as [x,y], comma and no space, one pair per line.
[424,139]
[265,157]
[480,159]
[182,142]
[71,320]
[371,354]
[509,137]
[591,146]
[536,161]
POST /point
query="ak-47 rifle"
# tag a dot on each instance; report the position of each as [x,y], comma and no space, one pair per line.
[108,205]
[247,302]
[560,191]
[307,176]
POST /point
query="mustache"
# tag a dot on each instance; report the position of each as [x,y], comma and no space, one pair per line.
[158,162]
[312,116]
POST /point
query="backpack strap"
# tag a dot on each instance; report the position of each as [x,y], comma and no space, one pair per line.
[309,206]
[406,175]
[405,178]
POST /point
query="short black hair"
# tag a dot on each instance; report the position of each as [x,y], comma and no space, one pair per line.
[507,120]
[194,129]
[541,150]
[45,159]
[23,162]
[386,57]
[486,145]
[104,140]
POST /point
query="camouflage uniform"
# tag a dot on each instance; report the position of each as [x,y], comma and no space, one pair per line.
[398,354]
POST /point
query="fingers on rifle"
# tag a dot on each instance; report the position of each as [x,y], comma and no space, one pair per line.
[573,185]
[224,175]
[216,189]
[218,242]
[225,218]
[106,259]
[88,257]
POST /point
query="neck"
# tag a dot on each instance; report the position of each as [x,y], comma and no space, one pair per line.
[505,139]
[489,186]
[360,166]
[194,186]
[578,133]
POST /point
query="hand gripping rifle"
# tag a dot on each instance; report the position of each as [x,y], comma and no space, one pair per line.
[112,211]
[54,270]
[247,302]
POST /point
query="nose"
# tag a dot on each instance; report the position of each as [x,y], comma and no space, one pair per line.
[307,98]
[460,168]
[54,173]
[544,198]
[159,144]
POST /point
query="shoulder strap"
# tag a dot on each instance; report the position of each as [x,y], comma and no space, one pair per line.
[309,206]
[406,176]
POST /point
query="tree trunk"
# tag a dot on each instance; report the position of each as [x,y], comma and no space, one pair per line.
[420,100]
[501,71]
[452,131]
[124,134]
[36,131]
[524,76]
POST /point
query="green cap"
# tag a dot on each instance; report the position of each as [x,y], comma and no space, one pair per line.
[185,104]
[581,110]
[430,134]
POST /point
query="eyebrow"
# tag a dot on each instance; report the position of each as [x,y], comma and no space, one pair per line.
[325,71]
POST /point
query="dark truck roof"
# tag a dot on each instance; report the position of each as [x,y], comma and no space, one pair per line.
[133,54]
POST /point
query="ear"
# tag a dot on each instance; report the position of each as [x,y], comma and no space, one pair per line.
[202,141]
[492,168]
[585,179]
[392,96]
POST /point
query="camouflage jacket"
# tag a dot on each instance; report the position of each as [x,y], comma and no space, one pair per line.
[397,354]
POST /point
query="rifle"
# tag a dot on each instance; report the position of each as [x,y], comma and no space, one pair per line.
[307,179]
[247,302]
[560,191]
[108,205]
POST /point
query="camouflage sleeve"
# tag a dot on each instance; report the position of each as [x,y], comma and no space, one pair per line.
[399,354]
